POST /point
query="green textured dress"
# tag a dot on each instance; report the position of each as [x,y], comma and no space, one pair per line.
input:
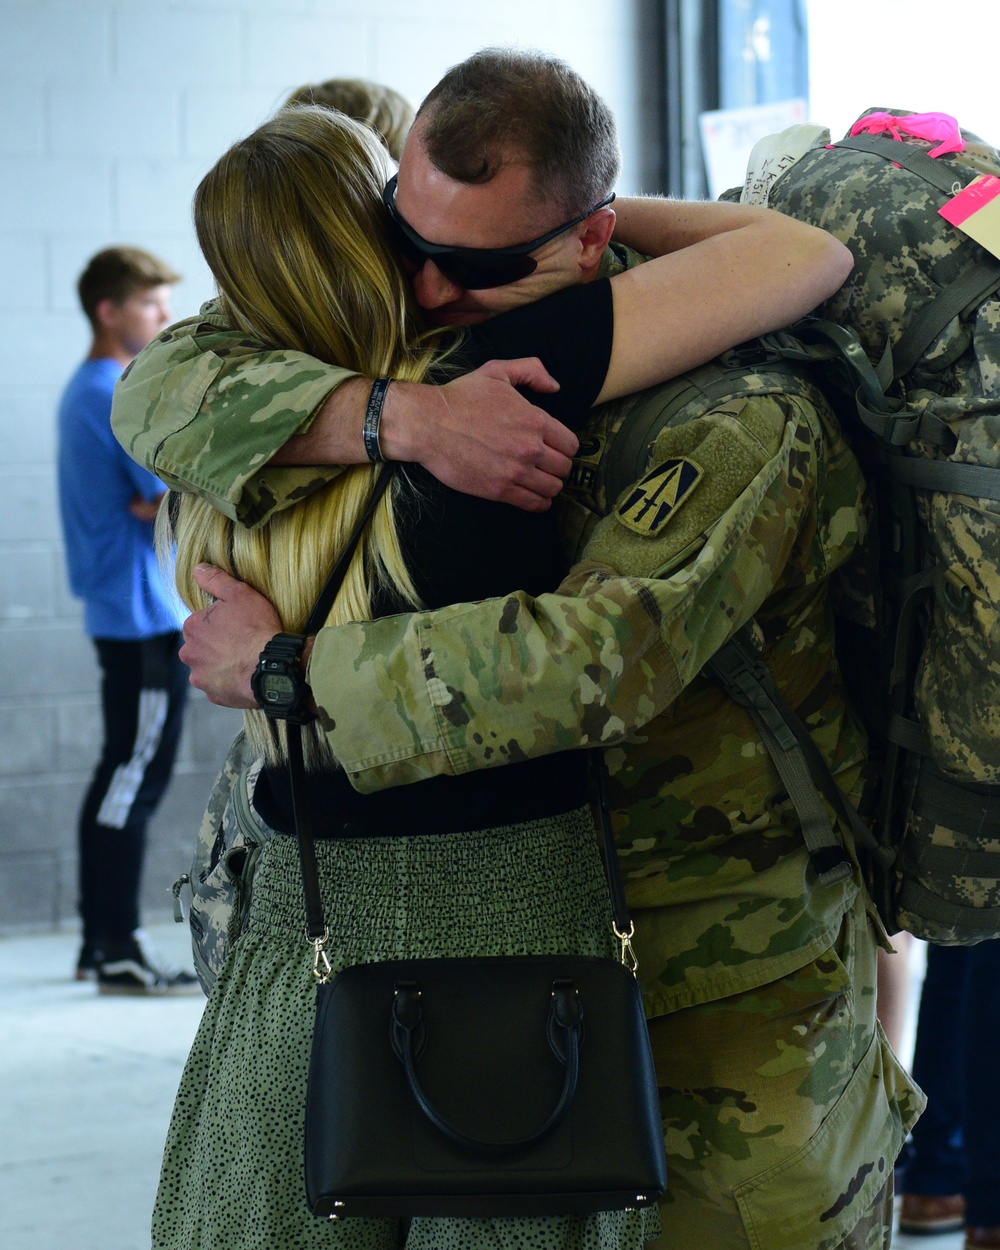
[232,1176]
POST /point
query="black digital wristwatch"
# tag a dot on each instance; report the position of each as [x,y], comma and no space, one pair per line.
[279,684]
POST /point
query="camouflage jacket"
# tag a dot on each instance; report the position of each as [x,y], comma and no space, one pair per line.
[718,878]
[189,401]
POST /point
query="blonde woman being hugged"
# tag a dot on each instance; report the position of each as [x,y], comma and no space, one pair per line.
[292,223]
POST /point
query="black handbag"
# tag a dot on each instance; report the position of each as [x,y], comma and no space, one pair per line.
[515,1085]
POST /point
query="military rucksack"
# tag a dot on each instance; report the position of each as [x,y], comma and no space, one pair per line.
[229,844]
[923,296]
[913,367]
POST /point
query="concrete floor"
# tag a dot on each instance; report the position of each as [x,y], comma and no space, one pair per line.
[86,1087]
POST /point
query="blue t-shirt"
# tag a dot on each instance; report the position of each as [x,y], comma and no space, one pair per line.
[112,563]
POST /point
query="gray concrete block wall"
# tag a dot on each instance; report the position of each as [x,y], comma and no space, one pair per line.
[110,113]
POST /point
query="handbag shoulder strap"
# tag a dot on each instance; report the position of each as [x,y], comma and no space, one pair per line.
[316,930]
[622,923]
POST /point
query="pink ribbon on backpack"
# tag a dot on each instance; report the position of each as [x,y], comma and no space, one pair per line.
[935,127]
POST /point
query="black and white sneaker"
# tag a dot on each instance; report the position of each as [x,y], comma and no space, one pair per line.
[136,969]
[87,963]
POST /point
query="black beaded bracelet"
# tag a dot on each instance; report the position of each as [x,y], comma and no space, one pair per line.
[373,419]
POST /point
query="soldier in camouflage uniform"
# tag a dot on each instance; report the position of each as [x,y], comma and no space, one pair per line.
[783,1107]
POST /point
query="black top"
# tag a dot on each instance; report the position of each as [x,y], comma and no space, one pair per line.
[459,549]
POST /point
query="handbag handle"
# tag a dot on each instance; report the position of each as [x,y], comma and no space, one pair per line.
[316,930]
[565,1023]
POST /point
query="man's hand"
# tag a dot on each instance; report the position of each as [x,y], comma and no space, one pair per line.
[479,436]
[476,434]
[223,642]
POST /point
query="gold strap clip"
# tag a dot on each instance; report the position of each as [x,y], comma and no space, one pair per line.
[628,955]
[322,968]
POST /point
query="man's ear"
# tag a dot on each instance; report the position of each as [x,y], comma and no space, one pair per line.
[106,313]
[595,235]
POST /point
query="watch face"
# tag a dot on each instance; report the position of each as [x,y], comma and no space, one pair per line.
[278,682]
[277,689]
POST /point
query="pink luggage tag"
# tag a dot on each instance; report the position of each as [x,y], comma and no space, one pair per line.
[937,128]
[976,211]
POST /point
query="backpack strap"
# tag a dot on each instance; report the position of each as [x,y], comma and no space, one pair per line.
[816,341]
[627,451]
[966,807]
[977,281]
[972,811]
[981,481]
[909,156]
[250,824]
[739,666]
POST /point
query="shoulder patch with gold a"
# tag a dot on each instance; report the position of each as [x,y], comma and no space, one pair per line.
[653,500]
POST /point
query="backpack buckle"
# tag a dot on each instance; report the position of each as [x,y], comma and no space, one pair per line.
[751,354]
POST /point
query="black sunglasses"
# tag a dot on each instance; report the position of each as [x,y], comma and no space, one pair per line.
[474,268]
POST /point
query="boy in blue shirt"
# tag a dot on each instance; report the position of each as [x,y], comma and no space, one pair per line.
[108,506]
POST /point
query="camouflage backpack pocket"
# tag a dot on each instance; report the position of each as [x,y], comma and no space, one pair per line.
[945,877]
[230,842]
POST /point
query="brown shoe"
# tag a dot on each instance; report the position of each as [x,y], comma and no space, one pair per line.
[929,1214]
[982,1238]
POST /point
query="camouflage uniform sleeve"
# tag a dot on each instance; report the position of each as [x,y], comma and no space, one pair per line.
[204,407]
[479,685]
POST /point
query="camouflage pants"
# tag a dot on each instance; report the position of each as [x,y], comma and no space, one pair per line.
[784,1110]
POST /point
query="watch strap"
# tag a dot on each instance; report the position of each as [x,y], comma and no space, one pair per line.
[283,655]
[285,647]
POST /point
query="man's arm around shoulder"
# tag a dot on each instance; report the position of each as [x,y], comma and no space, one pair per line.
[205,408]
[253,429]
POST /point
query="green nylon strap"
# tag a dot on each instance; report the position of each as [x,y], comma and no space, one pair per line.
[899,429]
[971,287]
[912,158]
[710,385]
[979,481]
[884,368]
[910,593]
[937,432]
[969,808]
[978,280]
[818,341]
[746,678]
[908,734]
[954,861]
[922,902]
[741,650]
[883,425]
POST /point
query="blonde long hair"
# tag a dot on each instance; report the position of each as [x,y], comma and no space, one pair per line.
[292,225]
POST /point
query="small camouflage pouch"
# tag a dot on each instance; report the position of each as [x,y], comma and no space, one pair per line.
[228,847]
